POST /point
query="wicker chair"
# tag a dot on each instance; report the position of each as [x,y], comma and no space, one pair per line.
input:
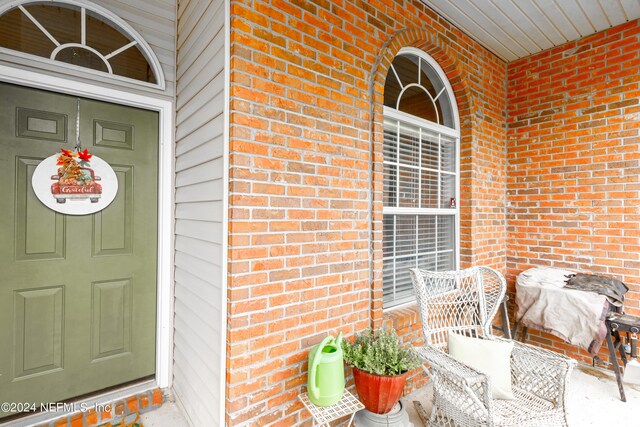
[466,302]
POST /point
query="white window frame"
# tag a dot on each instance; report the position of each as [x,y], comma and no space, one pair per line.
[402,117]
[108,17]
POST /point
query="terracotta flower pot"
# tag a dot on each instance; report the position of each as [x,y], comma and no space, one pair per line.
[378,393]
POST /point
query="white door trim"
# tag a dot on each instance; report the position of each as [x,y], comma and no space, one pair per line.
[164,324]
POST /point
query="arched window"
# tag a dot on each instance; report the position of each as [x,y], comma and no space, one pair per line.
[420,203]
[79,34]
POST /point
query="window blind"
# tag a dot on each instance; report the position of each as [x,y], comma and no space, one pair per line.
[419,205]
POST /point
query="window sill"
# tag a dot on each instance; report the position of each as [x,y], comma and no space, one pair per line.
[406,321]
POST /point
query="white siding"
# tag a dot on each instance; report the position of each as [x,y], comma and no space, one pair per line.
[155,21]
[200,296]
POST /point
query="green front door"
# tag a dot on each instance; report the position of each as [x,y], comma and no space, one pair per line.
[77,293]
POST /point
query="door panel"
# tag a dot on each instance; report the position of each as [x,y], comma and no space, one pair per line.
[37,124]
[112,227]
[115,135]
[38,331]
[39,230]
[77,293]
[111,326]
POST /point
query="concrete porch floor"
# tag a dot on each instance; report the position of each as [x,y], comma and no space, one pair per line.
[170,414]
[593,401]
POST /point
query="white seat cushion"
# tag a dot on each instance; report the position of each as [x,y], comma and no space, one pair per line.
[492,358]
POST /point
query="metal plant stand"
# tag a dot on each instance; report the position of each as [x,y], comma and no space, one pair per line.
[397,417]
[323,415]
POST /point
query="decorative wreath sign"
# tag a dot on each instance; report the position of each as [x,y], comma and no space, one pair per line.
[75,182]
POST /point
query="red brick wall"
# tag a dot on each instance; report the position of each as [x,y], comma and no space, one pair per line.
[117,412]
[573,153]
[306,179]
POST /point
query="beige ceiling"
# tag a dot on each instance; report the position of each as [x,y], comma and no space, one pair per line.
[514,29]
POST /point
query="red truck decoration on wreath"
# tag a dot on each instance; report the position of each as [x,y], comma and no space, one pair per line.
[76,180]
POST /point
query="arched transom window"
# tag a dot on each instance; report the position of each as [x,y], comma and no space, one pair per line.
[420,203]
[78,34]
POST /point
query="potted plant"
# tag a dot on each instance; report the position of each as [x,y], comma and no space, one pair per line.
[380,367]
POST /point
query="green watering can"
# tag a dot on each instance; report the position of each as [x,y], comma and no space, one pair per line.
[326,372]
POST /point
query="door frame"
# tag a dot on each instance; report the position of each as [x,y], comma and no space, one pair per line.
[166,179]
